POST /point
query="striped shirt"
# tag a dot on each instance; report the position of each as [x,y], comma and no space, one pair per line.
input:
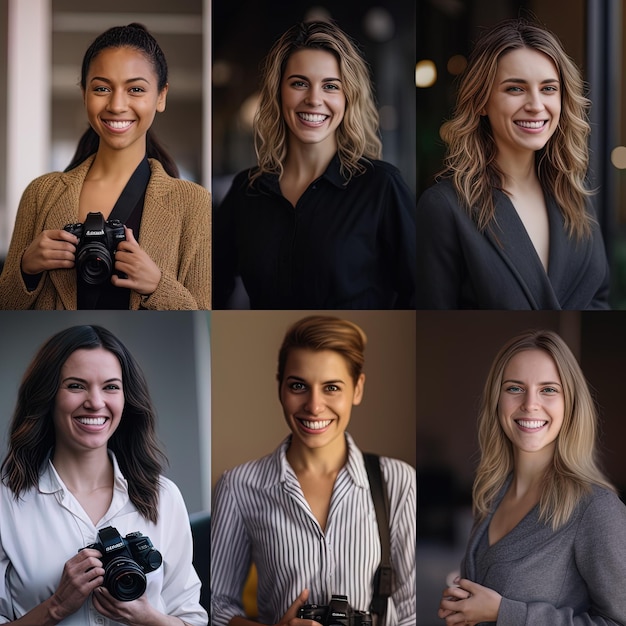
[261,515]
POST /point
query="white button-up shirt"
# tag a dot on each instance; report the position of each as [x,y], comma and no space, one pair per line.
[46,527]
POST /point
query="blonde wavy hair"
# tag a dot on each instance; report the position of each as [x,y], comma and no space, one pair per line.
[357,135]
[471,150]
[575,466]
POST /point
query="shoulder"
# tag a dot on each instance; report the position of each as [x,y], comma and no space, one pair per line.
[381,172]
[161,183]
[398,474]
[253,475]
[169,493]
[602,503]
[441,193]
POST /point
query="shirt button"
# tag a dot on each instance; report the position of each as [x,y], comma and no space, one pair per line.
[99,620]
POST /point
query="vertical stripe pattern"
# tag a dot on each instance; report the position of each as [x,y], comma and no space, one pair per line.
[261,515]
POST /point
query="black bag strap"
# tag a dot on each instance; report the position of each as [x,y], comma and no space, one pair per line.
[132,192]
[383,578]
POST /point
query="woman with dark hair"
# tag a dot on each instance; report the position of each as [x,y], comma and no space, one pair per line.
[304,515]
[549,539]
[508,225]
[321,222]
[83,456]
[161,259]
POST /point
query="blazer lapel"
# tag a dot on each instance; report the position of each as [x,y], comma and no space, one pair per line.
[511,241]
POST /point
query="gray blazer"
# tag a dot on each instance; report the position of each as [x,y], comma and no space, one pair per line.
[572,577]
[459,267]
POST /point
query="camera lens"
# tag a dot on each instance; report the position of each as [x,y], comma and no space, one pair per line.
[94,263]
[124,579]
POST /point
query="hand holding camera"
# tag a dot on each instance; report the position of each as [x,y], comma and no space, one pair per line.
[50,250]
[337,613]
[126,561]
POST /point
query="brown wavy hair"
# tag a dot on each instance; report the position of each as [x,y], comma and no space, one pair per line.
[323,332]
[357,135]
[32,435]
[562,163]
[575,465]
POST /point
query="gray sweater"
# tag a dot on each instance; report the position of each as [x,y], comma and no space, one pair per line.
[575,576]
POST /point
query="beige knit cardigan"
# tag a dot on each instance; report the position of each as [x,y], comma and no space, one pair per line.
[175,232]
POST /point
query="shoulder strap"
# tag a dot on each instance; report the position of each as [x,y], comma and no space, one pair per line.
[132,192]
[383,579]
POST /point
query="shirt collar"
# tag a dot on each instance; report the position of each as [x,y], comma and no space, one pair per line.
[50,481]
[332,174]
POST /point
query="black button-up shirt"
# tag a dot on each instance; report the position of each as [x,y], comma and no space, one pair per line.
[343,246]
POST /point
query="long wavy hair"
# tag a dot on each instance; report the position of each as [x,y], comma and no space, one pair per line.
[575,465]
[357,135]
[471,150]
[137,37]
[323,332]
[32,435]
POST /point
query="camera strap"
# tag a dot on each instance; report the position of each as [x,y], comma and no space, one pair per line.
[383,578]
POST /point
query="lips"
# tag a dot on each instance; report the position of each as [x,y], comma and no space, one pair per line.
[313,118]
[530,124]
[530,425]
[118,125]
[314,426]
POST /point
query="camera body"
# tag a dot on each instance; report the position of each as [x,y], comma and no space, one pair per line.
[97,241]
[337,613]
[126,561]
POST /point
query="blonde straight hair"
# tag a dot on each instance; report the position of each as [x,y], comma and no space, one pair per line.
[575,466]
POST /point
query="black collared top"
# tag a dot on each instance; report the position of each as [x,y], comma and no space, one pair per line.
[343,246]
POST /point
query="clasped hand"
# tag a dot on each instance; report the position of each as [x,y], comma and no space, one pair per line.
[469,603]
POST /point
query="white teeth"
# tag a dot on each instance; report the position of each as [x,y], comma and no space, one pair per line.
[530,124]
[531,423]
[312,117]
[92,421]
[118,125]
[317,425]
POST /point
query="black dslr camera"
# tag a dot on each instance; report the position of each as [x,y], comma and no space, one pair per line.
[97,241]
[337,613]
[126,561]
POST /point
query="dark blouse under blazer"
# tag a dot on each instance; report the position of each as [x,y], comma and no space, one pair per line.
[458,267]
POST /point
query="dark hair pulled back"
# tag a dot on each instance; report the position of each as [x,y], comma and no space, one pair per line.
[134,36]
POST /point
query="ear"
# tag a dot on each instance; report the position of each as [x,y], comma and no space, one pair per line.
[161,100]
[358,390]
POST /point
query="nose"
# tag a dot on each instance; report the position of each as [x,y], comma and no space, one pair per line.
[534,101]
[94,400]
[117,101]
[531,401]
[314,404]
[313,96]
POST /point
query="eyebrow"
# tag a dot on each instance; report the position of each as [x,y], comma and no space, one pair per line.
[324,80]
[520,382]
[82,380]
[523,81]
[130,80]
[325,382]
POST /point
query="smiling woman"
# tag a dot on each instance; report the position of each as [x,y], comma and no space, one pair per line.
[304,513]
[509,224]
[83,457]
[549,535]
[321,222]
[118,229]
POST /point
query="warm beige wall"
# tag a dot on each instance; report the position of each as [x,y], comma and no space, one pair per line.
[247,420]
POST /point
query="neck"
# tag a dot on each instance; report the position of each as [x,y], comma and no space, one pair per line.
[518,172]
[116,164]
[321,461]
[528,472]
[84,473]
[308,162]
